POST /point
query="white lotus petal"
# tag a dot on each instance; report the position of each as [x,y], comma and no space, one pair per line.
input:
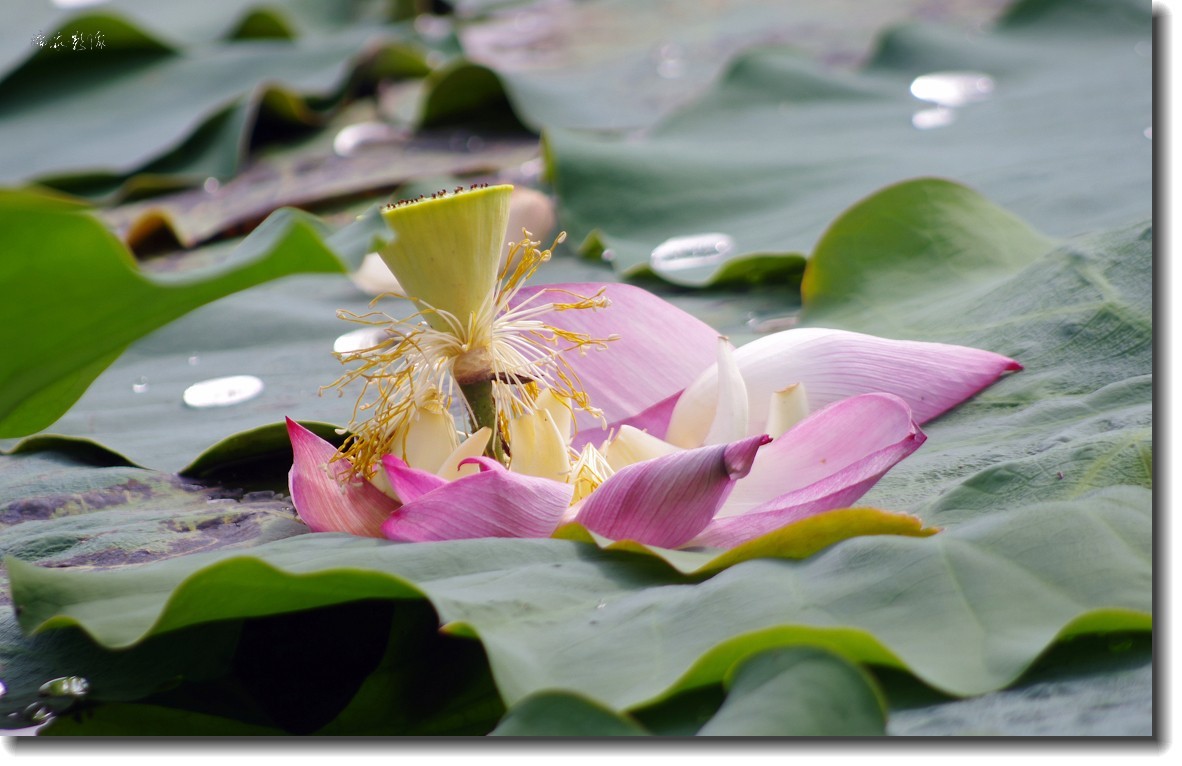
[430,437]
[632,445]
[539,447]
[730,412]
[473,446]
[787,408]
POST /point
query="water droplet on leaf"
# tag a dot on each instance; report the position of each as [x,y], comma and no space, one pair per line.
[357,340]
[952,88]
[66,686]
[690,251]
[223,392]
[772,323]
[352,138]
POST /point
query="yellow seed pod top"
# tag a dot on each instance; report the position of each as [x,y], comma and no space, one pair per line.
[446,252]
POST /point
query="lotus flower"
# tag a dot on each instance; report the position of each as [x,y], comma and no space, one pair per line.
[653,491]
[698,444]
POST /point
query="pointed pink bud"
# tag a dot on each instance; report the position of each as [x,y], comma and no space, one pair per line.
[668,500]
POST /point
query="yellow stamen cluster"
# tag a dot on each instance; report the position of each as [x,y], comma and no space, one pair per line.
[421,364]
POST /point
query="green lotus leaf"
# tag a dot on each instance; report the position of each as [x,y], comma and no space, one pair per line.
[80,299]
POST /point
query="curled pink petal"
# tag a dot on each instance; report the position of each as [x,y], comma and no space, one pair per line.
[666,347]
[827,461]
[492,503]
[668,500]
[483,462]
[325,497]
[409,483]
[835,364]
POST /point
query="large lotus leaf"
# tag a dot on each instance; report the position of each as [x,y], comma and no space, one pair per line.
[622,64]
[60,113]
[76,300]
[779,147]
[966,611]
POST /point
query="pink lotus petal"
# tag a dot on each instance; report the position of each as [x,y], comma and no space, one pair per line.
[323,497]
[492,503]
[827,461]
[409,483]
[833,365]
[661,349]
[668,500]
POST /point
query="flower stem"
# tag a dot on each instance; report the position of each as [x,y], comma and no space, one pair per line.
[484,413]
